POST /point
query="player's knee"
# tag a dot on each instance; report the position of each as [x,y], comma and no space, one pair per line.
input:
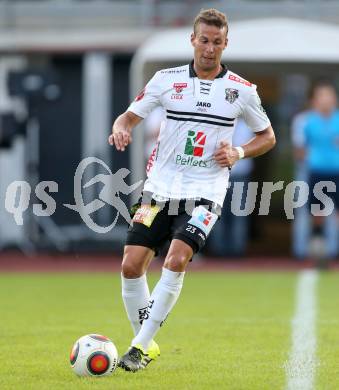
[130,269]
[177,262]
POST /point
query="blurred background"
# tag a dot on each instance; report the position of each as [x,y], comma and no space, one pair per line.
[68,68]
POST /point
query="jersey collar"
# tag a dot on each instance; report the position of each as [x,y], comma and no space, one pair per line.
[219,76]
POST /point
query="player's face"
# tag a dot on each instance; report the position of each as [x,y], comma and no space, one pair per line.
[209,43]
[324,99]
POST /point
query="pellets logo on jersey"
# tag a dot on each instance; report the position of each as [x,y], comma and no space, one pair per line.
[194,148]
[195,143]
[231,95]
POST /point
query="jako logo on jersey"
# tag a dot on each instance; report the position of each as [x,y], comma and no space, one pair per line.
[239,80]
[195,143]
[179,87]
[205,218]
[203,104]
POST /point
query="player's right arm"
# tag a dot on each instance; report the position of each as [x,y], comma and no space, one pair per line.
[144,103]
[122,130]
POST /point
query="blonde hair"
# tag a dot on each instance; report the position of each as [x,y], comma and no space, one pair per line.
[211,17]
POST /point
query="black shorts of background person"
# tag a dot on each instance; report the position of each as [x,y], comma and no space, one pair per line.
[316,177]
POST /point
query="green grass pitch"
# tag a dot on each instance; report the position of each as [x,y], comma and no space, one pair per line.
[228,331]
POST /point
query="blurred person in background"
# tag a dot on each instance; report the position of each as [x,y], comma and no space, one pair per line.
[318,146]
[230,235]
[301,224]
[191,166]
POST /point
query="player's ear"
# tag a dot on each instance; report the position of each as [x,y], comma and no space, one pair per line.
[226,42]
[193,38]
[226,37]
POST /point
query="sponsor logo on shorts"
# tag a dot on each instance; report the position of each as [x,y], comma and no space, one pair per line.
[205,218]
[146,214]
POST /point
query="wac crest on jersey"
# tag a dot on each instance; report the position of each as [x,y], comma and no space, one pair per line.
[231,95]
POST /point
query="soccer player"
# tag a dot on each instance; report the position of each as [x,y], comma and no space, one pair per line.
[318,144]
[188,173]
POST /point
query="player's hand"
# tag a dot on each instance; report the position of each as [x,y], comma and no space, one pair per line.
[226,155]
[120,138]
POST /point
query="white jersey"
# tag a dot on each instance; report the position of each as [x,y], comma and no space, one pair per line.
[199,115]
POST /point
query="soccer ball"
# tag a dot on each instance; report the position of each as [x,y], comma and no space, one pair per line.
[94,355]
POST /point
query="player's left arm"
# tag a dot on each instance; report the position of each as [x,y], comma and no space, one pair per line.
[263,141]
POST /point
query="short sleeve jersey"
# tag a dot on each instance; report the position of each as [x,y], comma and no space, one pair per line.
[199,115]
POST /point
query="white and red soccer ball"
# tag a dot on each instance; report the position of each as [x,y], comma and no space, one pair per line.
[94,355]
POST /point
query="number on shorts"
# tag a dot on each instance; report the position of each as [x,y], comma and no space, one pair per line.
[191,229]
